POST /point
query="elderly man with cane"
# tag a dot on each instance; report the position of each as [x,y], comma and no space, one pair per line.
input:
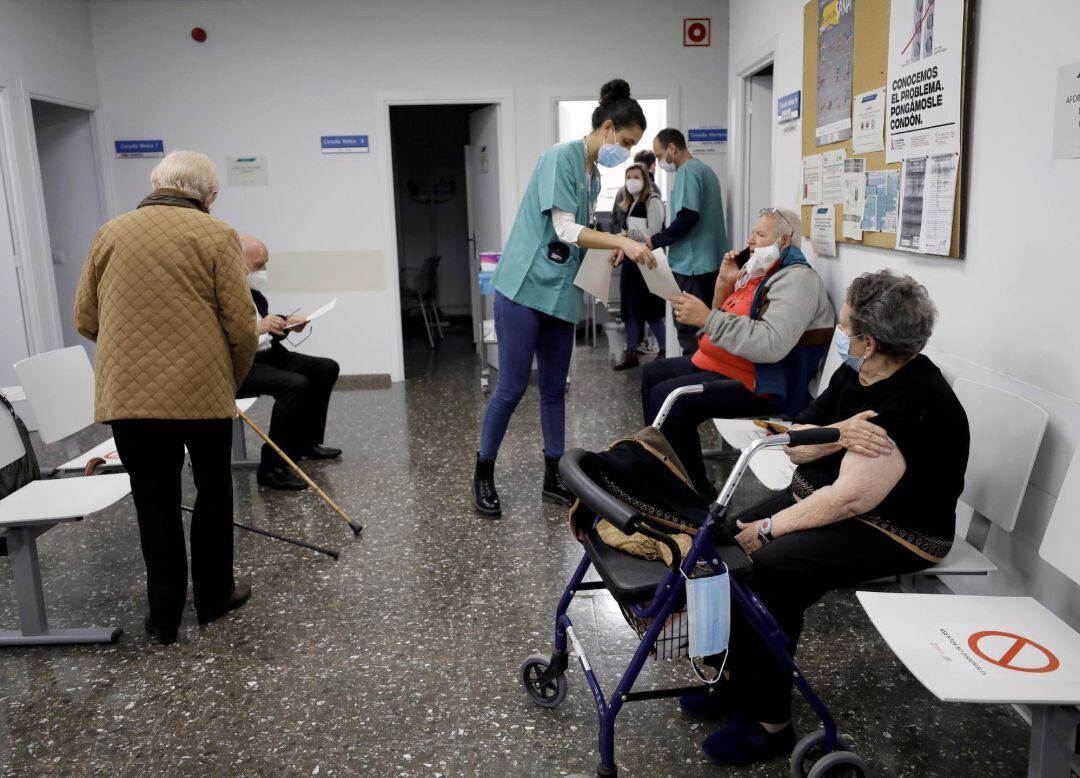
[164,294]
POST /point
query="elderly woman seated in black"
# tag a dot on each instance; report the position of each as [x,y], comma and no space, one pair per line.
[880,502]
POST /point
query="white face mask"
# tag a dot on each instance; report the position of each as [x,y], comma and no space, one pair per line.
[634,185]
[759,263]
[663,164]
[258,280]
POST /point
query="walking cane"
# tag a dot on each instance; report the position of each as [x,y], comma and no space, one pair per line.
[332,553]
[355,526]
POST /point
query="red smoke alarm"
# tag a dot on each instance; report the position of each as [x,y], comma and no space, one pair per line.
[198,34]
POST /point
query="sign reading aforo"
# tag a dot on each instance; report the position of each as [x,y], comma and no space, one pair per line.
[344,144]
[134,149]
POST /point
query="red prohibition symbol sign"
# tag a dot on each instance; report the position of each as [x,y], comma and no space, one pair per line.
[1013,650]
[696,32]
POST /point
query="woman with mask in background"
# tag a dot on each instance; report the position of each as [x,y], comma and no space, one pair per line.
[537,306]
[764,337]
[638,213]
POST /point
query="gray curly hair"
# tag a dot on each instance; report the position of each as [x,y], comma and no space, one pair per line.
[895,309]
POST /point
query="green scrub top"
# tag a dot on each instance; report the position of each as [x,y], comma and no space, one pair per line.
[701,249]
[536,268]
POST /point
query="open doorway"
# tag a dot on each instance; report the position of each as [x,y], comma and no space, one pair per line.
[446,202]
[72,194]
[759,120]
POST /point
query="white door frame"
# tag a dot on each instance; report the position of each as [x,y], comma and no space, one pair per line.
[760,56]
[507,184]
[45,303]
[8,180]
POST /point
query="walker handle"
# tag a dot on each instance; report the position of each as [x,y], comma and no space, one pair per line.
[813,436]
[596,498]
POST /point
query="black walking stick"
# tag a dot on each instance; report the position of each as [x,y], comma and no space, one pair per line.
[267,533]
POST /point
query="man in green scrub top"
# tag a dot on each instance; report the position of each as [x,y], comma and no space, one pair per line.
[696,239]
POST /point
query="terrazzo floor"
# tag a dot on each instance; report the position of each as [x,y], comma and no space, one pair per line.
[400,659]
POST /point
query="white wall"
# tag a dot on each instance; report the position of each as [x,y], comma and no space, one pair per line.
[45,51]
[275,75]
[1008,309]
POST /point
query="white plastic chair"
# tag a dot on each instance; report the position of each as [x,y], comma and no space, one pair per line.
[1006,432]
[29,513]
[1001,650]
[772,467]
[59,386]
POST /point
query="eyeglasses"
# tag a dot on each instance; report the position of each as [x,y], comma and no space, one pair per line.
[774,211]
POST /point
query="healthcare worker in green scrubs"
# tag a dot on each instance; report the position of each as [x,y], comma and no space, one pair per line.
[537,306]
[696,240]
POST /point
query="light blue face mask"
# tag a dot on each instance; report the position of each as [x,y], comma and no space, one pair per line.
[612,155]
[842,342]
[708,610]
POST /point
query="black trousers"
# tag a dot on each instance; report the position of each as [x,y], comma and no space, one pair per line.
[152,452]
[301,387]
[663,376]
[790,574]
[703,287]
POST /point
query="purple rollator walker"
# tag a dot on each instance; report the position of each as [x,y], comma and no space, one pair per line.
[634,581]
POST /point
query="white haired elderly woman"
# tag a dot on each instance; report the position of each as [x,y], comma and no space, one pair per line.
[880,502]
[164,294]
[770,324]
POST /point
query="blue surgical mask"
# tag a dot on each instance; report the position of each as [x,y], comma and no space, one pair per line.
[708,610]
[842,342]
[613,155]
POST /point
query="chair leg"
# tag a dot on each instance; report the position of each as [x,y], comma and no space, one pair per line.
[427,325]
[438,322]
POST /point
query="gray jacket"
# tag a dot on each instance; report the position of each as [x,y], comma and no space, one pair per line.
[796,304]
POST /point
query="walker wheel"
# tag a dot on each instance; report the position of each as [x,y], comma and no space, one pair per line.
[810,752]
[840,764]
[551,693]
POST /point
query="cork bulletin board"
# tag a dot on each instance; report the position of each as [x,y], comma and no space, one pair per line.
[869,71]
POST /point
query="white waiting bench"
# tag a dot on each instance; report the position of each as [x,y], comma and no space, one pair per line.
[1001,650]
[59,385]
[32,511]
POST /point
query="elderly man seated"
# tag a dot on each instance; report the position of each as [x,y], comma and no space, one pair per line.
[300,384]
[881,502]
[769,326]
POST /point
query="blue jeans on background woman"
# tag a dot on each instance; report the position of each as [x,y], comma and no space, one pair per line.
[525,333]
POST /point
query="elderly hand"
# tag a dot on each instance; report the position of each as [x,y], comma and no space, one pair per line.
[749,540]
[296,323]
[639,252]
[616,257]
[275,325]
[729,270]
[859,435]
[689,310]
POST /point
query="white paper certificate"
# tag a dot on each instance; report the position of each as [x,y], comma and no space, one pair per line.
[312,316]
[594,275]
[823,230]
[660,279]
[869,122]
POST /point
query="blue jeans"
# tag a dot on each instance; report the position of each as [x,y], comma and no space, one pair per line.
[523,333]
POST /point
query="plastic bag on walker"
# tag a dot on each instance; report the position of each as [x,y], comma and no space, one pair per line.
[708,608]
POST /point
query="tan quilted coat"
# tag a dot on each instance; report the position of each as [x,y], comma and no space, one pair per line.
[164,293]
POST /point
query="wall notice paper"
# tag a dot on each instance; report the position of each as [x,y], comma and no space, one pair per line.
[594,275]
[823,230]
[925,61]
[316,314]
[1067,113]
[836,46]
[832,177]
[854,197]
[882,200]
[867,134]
[811,180]
[926,204]
[246,171]
[660,279]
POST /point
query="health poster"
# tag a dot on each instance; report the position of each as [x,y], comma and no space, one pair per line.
[836,47]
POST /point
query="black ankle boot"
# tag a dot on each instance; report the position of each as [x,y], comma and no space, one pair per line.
[555,490]
[485,498]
